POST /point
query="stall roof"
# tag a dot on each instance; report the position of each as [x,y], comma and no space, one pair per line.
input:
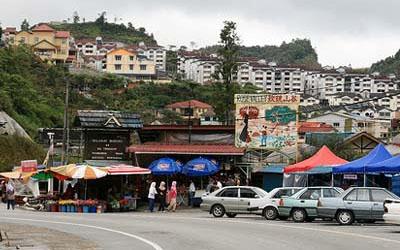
[324,157]
[203,149]
[378,154]
[108,119]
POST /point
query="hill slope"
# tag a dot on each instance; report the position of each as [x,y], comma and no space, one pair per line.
[389,65]
[298,51]
[108,31]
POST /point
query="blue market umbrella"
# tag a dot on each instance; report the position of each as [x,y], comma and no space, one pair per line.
[165,166]
[200,167]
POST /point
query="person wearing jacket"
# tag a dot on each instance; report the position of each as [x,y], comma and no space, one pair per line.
[152,196]
[162,191]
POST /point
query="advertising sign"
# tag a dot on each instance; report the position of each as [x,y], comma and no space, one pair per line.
[106,146]
[29,166]
[350,176]
[266,121]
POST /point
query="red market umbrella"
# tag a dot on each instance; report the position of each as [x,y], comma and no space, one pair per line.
[123,169]
[324,157]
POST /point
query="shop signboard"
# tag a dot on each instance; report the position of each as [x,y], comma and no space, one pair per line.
[29,166]
[266,121]
[350,176]
[106,146]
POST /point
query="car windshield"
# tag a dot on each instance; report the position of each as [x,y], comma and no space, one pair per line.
[261,192]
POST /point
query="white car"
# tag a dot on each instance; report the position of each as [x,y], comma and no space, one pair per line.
[268,206]
[392,211]
[231,200]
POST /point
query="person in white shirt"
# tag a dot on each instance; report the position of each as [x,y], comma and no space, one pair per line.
[192,192]
[152,196]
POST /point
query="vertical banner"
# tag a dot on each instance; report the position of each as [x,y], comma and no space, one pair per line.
[266,121]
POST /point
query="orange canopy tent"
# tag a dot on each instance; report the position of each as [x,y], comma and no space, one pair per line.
[323,158]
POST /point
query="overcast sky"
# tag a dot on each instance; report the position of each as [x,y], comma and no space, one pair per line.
[356,32]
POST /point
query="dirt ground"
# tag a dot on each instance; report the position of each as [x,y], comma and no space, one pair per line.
[35,238]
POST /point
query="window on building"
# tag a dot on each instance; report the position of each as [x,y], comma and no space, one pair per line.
[117,66]
[143,67]
[336,124]
[131,58]
[130,66]
[118,58]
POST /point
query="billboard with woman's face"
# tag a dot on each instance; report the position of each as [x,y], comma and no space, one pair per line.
[266,121]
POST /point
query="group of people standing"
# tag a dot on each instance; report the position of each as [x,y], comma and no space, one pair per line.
[164,196]
[8,194]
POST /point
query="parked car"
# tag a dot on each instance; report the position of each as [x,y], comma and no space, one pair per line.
[302,206]
[231,200]
[356,204]
[268,206]
[392,211]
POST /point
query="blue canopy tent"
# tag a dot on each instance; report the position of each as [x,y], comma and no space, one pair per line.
[200,167]
[389,166]
[165,166]
[378,154]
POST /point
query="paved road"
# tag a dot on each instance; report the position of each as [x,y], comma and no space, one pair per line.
[197,230]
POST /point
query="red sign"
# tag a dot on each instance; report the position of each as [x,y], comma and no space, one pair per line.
[29,166]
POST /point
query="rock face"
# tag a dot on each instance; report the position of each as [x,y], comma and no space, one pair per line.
[8,126]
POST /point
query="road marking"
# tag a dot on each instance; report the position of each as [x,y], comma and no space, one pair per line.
[277,225]
[152,244]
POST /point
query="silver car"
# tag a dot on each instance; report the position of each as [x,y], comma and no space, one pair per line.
[355,204]
[231,200]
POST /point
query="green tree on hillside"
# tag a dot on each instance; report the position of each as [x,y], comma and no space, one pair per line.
[25,25]
[227,66]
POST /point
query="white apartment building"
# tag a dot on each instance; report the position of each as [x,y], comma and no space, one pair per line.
[157,54]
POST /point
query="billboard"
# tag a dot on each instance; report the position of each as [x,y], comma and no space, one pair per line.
[29,166]
[266,121]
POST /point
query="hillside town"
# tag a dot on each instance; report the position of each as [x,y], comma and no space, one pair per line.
[97,117]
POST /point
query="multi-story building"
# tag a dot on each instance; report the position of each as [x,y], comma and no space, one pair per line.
[46,42]
[128,63]
[8,36]
[157,54]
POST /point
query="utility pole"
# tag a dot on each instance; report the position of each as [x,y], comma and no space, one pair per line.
[190,122]
[65,147]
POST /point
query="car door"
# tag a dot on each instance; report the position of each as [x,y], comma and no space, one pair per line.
[309,200]
[378,196]
[246,195]
[359,202]
[229,198]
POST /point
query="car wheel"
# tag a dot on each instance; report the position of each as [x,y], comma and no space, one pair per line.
[299,215]
[270,213]
[231,215]
[218,211]
[345,217]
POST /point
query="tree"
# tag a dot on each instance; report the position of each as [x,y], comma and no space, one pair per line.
[101,20]
[227,66]
[142,30]
[170,117]
[130,27]
[75,17]
[25,25]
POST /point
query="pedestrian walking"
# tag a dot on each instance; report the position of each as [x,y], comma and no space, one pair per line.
[192,192]
[172,197]
[219,184]
[162,190]
[10,195]
[152,196]
[3,191]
